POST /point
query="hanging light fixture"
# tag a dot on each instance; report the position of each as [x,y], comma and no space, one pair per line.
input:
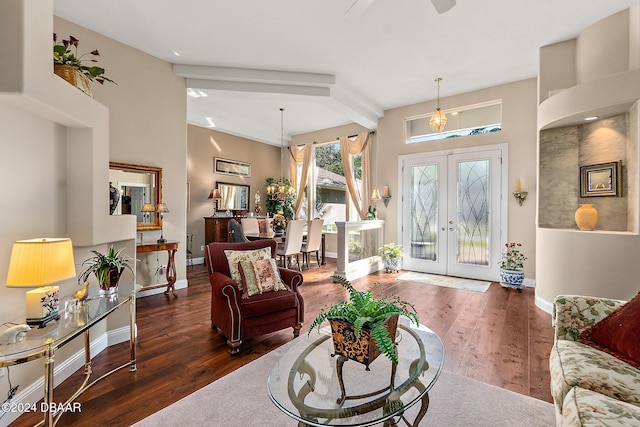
[438,119]
[280,192]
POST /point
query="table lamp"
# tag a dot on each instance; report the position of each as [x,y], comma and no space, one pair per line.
[162,209]
[147,208]
[39,263]
[215,195]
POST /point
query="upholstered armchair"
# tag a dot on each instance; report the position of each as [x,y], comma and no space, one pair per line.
[239,316]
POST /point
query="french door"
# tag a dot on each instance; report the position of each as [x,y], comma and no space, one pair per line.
[452,212]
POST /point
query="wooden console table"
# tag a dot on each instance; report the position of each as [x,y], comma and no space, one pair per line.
[171,247]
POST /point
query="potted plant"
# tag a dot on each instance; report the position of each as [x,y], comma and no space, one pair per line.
[68,65]
[364,327]
[107,269]
[392,254]
[511,265]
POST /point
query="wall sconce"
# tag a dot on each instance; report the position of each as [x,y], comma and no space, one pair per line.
[386,196]
[520,195]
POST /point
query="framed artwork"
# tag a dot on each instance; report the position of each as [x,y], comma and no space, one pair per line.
[231,167]
[604,179]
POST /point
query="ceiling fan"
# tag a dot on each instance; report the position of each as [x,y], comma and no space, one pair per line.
[359,6]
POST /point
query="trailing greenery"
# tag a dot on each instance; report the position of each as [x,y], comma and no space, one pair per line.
[101,264]
[63,55]
[362,310]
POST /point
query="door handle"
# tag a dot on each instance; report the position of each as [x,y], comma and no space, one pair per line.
[450,221]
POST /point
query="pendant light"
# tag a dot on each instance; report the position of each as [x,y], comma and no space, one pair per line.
[438,119]
[276,192]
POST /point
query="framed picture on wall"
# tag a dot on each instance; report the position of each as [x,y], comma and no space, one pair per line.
[231,167]
[604,179]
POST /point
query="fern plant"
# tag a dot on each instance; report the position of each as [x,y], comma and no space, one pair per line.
[364,311]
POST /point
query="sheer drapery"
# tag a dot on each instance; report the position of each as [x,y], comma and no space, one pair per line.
[305,156]
[348,148]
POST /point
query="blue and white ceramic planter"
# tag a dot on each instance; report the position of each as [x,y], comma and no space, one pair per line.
[392,265]
[511,278]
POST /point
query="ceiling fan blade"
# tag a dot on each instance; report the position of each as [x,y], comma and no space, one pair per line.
[443,5]
[357,8]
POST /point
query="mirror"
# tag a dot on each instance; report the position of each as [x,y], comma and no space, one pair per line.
[235,197]
[137,185]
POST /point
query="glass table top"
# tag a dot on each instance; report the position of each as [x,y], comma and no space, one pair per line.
[305,382]
[59,332]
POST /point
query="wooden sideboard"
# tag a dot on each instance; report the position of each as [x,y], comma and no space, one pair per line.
[216,228]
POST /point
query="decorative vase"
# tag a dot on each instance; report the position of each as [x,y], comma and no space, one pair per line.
[511,278]
[111,287]
[586,217]
[114,198]
[392,265]
[74,76]
[362,349]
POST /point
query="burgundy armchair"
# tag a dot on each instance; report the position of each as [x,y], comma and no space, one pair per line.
[240,318]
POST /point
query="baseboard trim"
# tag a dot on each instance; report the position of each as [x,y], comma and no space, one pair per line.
[35,391]
[544,305]
[180,284]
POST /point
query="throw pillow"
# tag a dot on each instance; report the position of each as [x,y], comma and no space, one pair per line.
[234,258]
[267,275]
[249,281]
[616,333]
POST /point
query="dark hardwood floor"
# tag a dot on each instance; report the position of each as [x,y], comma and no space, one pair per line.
[498,337]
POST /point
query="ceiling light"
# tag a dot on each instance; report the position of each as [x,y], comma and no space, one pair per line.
[196,93]
[438,119]
[210,121]
[588,119]
[176,53]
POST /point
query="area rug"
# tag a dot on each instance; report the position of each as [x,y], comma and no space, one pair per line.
[446,281]
[240,399]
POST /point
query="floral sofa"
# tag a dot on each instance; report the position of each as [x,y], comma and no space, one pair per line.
[590,387]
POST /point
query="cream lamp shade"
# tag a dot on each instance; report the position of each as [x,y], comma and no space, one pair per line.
[148,207]
[375,194]
[41,263]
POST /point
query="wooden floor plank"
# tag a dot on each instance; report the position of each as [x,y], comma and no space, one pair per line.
[498,337]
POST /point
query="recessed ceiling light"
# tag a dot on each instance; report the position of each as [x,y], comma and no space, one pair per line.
[588,119]
[176,53]
[196,93]
[210,121]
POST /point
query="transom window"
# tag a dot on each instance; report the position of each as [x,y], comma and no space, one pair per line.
[465,121]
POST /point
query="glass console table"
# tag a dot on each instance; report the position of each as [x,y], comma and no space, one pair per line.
[316,388]
[43,343]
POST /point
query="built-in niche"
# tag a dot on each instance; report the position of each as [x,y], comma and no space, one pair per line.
[564,150]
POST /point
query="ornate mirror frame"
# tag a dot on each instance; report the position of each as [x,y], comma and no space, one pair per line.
[153,182]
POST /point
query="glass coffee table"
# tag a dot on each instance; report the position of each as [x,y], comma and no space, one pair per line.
[316,388]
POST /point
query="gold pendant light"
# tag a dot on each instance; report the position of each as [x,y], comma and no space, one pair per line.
[438,119]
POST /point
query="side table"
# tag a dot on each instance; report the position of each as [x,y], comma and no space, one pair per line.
[171,247]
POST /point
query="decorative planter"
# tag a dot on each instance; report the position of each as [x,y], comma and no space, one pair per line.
[586,217]
[392,265]
[511,278]
[111,287]
[73,76]
[361,349]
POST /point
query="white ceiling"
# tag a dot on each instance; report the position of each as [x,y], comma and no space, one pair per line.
[325,68]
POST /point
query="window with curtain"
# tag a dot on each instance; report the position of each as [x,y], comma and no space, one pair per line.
[330,197]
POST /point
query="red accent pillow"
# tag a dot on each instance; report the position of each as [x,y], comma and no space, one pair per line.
[617,334]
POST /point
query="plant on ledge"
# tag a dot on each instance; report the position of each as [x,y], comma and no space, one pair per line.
[365,312]
[107,268]
[63,55]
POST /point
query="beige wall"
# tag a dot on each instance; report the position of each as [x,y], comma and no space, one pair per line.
[606,82]
[205,144]
[54,158]
[147,126]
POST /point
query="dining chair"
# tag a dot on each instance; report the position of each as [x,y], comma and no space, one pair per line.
[235,229]
[292,243]
[314,239]
[250,225]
